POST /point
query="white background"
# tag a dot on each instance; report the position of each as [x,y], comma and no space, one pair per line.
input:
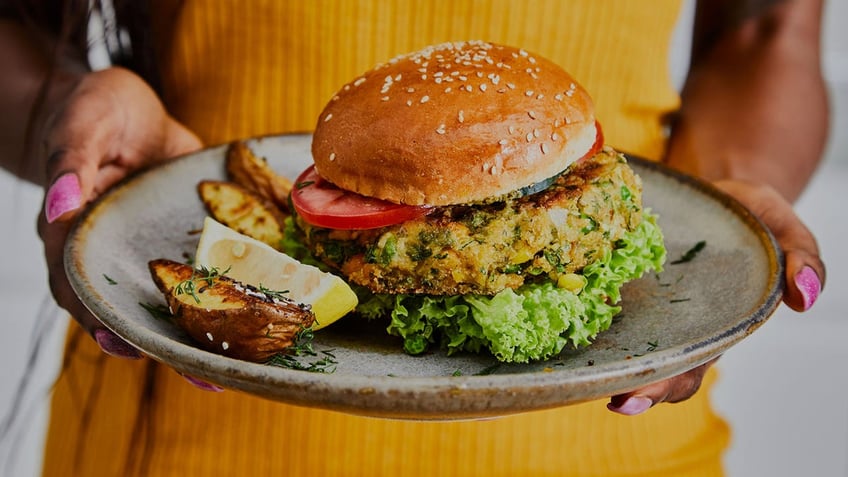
[783,389]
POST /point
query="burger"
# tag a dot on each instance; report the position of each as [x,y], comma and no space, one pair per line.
[465,191]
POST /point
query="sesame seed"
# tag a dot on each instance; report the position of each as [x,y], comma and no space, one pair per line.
[557,122]
[558,97]
[463,78]
[209,335]
[512,129]
[534,76]
[410,90]
[438,81]
[510,86]
[522,52]
[385,98]
[540,96]
[424,77]
[483,87]
[493,170]
[225,345]
[336,98]
[461,116]
[503,142]
[529,137]
[332,156]
[554,137]
[469,88]
[486,166]
[532,60]
[448,89]
[398,77]
[441,129]
[528,93]
[409,102]
[359,81]
[424,99]
[532,114]
[328,117]
[544,148]
[536,133]
[569,93]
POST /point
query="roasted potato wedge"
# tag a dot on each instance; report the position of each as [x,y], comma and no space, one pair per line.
[253,173]
[227,317]
[243,211]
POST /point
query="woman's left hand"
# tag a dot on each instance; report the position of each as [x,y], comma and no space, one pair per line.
[804,273]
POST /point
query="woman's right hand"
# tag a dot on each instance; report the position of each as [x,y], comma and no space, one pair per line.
[111,124]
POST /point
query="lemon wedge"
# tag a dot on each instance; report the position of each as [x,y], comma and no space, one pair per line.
[256,263]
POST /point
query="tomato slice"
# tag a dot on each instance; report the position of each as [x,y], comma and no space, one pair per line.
[322,204]
[599,143]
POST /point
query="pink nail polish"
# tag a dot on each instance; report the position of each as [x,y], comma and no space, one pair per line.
[809,285]
[201,384]
[112,345]
[632,406]
[63,196]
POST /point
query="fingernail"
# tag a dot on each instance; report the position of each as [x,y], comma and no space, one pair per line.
[809,285]
[112,345]
[201,384]
[63,196]
[632,406]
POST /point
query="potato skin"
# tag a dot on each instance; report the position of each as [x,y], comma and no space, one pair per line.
[243,211]
[232,319]
[253,173]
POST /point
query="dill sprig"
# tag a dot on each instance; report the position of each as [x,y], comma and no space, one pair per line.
[303,346]
[691,253]
[160,312]
[201,275]
[273,294]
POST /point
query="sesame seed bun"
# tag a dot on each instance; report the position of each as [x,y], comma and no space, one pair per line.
[454,123]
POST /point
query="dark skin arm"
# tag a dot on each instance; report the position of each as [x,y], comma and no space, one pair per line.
[88,129]
[753,120]
[94,128]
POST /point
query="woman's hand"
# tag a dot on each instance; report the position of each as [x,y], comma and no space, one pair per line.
[111,124]
[804,273]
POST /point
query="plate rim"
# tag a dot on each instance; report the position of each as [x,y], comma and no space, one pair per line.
[245,373]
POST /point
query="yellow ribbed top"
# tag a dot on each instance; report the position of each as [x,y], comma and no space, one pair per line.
[237,69]
[234,69]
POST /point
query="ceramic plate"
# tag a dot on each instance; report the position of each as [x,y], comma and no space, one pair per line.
[670,322]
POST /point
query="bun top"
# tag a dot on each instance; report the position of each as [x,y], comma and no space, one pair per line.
[454,123]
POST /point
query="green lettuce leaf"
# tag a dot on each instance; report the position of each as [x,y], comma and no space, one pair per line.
[534,322]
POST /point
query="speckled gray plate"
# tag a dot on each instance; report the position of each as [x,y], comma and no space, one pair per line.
[670,323]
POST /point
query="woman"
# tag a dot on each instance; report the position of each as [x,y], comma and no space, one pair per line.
[213,71]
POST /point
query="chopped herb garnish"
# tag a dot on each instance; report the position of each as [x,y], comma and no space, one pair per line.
[273,294]
[208,275]
[109,280]
[679,300]
[301,185]
[488,370]
[691,253]
[160,312]
[303,347]
[457,373]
